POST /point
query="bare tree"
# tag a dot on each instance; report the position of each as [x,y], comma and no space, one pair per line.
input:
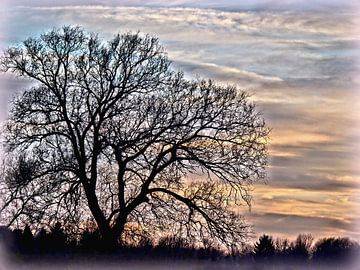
[109,129]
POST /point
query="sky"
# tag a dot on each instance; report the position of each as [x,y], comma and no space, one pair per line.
[298,60]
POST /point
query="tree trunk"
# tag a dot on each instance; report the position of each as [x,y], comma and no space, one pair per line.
[109,238]
[110,235]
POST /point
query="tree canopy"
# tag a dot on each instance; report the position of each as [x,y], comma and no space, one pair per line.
[109,131]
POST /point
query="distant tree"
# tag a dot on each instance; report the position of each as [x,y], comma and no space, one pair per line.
[282,245]
[5,235]
[335,249]
[173,242]
[173,246]
[16,242]
[108,129]
[42,240]
[264,249]
[282,249]
[27,239]
[243,254]
[300,250]
[57,237]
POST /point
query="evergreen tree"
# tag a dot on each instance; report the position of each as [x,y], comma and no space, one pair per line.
[264,249]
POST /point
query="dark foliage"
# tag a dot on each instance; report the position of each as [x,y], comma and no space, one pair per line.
[27,239]
[300,250]
[264,249]
[89,245]
[333,249]
[90,240]
[173,247]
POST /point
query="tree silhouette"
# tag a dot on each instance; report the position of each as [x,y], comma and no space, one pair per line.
[333,249]
[264,249]
[300,250]
[109,130]
[57,237]
[28,239]
[283,248]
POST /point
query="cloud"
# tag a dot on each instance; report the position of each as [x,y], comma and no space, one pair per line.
[224,4]
[319,226]
[227,74]
[9,87]
[299,65]
[309,181]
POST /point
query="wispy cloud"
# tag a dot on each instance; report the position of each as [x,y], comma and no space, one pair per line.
[299,65]
[319,226]
[225,4]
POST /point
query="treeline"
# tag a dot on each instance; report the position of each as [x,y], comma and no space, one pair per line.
[56,243]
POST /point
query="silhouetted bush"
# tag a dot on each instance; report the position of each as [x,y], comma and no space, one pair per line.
[28,238]
[210,250]
[6,238]
[57,238]
[172,242]
[174,247]
[42,242]
[90,239]
[145,243]
[15,244]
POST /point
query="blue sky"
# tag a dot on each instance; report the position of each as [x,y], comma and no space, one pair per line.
[299,61]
